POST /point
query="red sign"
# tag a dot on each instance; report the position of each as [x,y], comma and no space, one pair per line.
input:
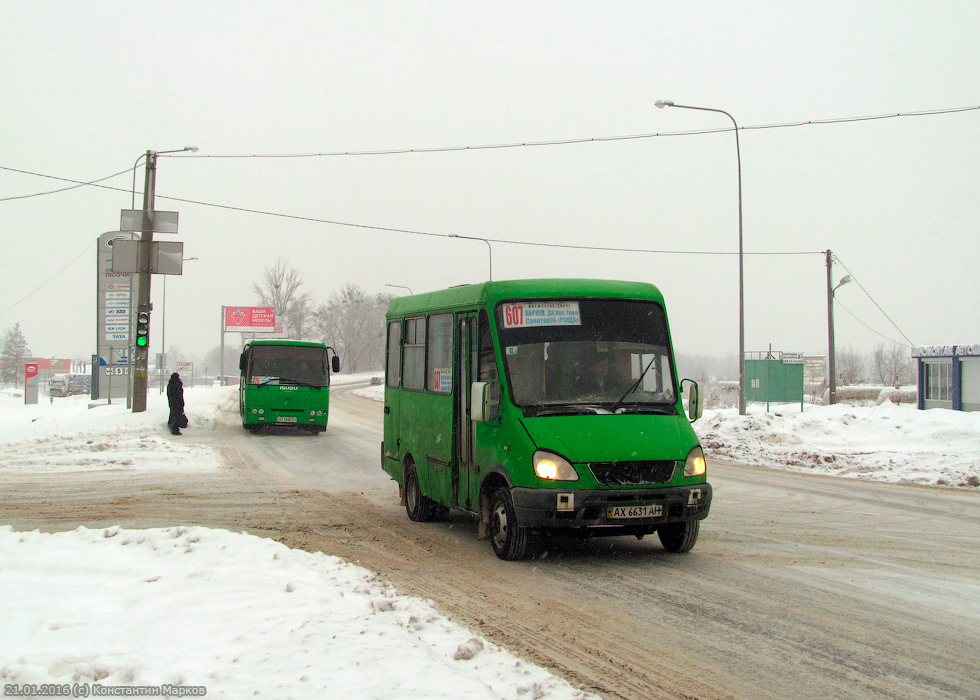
[30,370]
[250,319]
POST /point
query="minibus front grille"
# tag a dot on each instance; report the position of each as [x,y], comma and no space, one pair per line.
[633,473]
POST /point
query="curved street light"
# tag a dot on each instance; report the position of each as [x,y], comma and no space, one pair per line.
[741,267]
[399,286]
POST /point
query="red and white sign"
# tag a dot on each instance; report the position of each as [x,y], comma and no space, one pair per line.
[250,319]
[30,370]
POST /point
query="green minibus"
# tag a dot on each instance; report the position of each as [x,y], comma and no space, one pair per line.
[545,407]
[285,383]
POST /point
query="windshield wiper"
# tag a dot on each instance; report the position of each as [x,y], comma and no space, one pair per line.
[667,410]
[566,410]
[634,384]
[291,382]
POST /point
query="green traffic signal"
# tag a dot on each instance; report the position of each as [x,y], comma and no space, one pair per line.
[142,329]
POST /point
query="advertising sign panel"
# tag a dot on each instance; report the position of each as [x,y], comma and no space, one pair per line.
[249,319]
[30,383]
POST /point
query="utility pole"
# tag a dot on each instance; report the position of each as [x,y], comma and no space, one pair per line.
[141,353]
[831,350]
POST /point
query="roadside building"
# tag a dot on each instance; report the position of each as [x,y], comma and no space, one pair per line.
[949,376]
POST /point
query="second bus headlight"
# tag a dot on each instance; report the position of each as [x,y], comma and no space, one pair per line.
[548,465]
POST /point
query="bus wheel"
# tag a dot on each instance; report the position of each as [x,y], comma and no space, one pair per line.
[252,428]
[679,537]
[420,508]
[509,540]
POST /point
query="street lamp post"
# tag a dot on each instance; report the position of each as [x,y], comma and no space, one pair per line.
[831,351]
[399,286]
[139,365]
[489,247]
[741,257]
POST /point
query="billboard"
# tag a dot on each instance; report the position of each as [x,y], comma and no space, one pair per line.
[249,319]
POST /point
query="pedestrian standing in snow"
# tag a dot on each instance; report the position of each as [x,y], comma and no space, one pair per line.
[175,397]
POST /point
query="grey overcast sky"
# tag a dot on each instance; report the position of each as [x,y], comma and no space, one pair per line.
[86,88]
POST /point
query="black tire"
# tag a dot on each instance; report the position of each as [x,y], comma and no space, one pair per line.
[420,508]
[679,537]
[252,427]
[510,541]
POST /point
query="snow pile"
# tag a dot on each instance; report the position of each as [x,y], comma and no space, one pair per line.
[76,434]
[238,615]
[888,442]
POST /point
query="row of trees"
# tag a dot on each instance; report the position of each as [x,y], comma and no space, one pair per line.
[890,365]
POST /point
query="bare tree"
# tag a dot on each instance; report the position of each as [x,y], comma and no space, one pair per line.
[850,367]
[353,323]
[892,366]
[280,290]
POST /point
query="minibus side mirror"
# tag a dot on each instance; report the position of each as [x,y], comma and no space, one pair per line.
[241,363]
[484,402]
[335,363]
[694,407]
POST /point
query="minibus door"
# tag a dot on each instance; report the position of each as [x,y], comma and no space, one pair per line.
[466,369]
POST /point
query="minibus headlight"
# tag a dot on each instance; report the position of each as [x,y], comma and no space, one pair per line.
[548,465]
[695,464]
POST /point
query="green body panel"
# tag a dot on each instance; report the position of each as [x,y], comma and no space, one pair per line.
[425,426]
[288,402]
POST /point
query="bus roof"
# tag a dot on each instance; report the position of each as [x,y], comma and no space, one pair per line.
[490,293]
[284,341]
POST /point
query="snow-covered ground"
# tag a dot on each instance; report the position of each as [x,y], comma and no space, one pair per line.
[244,616]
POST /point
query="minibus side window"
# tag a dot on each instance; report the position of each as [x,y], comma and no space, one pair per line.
[394,357]
[413,355]
[488,360]
[439,369]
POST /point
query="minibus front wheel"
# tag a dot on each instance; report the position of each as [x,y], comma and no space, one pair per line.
[510,541]
[679,537]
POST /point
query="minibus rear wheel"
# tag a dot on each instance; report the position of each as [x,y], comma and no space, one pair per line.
[510,541]
[679,537]
[420,508]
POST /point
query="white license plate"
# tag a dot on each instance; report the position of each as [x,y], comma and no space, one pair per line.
[285,419]
[627,512]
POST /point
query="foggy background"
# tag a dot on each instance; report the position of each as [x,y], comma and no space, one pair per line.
[88,88]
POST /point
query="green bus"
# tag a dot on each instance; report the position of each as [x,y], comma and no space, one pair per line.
[285,383]
[545,407]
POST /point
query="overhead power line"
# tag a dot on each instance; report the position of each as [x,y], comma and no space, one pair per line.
[594,139]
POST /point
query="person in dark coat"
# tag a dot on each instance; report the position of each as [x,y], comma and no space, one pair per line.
[175,397]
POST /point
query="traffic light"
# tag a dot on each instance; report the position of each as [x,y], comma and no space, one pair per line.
[142,329]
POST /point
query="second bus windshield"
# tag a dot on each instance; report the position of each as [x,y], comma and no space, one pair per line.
[288,364]
[585,351]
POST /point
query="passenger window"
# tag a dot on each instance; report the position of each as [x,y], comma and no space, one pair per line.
[393,370]
[413,355]
[439,370]
[488,360]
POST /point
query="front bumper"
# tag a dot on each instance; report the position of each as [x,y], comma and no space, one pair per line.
[588,510]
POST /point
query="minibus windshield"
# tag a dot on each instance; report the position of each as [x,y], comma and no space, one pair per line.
[298,365]
[586,355]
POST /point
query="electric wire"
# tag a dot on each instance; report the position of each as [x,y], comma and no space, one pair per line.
[63,189]
[49,280]
[868,294]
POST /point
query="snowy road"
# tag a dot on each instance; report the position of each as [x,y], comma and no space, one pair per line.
[800,586]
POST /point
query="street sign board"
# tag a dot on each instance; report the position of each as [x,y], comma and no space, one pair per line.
[116,291]
[166,257]
[163,221]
